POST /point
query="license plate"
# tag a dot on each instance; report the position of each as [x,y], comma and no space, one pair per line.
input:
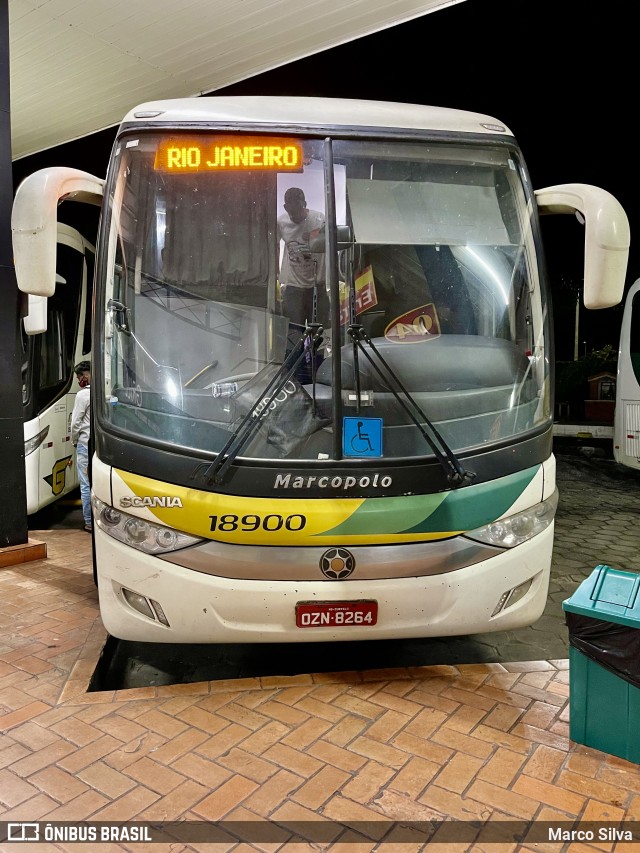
[335,614]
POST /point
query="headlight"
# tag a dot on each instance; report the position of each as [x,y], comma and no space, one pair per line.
[139,533]
[515,529]
[35,442]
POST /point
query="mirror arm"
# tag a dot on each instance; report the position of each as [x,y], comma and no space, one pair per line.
[607,237]
[34,222]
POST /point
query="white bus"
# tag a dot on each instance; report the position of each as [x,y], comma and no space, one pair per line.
[56,335]
[626,426]
[384,470]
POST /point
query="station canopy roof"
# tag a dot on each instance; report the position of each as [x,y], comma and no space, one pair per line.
[77,66]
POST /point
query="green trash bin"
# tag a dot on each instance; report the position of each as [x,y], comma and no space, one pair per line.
[603,618]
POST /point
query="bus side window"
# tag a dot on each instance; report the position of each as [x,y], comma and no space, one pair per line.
[52,347]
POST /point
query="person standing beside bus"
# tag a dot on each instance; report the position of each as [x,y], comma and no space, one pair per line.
[80,431]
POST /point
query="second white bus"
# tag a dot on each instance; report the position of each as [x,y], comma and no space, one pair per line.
[56,335]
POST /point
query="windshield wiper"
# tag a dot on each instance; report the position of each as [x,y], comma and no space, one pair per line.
[310,340]
[456,474]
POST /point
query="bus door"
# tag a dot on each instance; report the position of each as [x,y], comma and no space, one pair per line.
[56,463]
[56,352]
[627,413]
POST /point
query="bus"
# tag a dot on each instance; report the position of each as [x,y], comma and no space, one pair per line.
[55,335]
[380,469]
[626,424]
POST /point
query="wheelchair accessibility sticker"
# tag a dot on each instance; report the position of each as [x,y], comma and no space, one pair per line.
[362,436]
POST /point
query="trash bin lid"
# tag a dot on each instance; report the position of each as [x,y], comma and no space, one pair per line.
[608,594]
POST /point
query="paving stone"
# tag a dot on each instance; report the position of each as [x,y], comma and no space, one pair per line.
[467,728]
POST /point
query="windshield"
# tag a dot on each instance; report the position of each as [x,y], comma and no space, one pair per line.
[218,266]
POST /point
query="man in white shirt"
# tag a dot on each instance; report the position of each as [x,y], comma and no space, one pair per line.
[80,431]
[302,276]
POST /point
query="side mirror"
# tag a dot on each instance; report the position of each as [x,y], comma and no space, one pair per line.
[344,239]
[606,245]
[35,320]
[345,236]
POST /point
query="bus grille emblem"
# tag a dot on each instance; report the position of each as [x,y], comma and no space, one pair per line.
[337,564]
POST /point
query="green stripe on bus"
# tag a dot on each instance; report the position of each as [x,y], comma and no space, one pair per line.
[445,512]
[474,506]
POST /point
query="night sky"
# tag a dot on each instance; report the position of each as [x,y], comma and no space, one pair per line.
[561,74]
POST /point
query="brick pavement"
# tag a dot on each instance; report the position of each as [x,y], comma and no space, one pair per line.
[468,742]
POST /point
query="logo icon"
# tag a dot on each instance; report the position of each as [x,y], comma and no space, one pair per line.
[337,564]
[414,327]
[56,479]
[23,832]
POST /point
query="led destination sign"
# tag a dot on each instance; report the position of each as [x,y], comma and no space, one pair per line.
[229,153]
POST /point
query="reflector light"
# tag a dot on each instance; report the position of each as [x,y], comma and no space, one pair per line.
[138,602]
[512,596]
[146,606]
